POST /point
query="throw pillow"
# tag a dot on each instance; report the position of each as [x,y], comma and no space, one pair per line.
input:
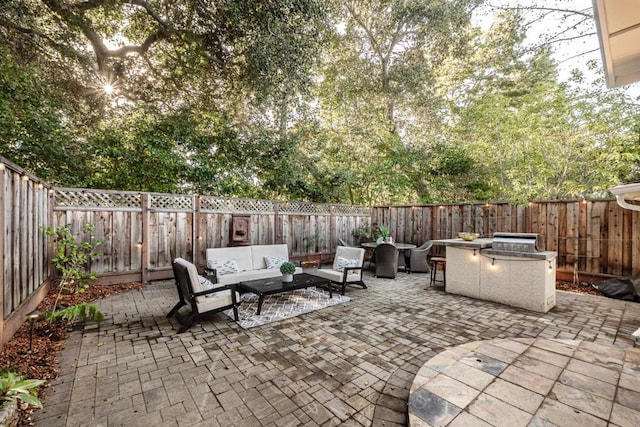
[224,267]
[342,262]
[274,261]
[205,284]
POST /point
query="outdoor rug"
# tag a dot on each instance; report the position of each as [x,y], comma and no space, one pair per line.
[283,306]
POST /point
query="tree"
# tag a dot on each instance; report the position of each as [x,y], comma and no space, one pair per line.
[101,66]
[537,138]
[33,130]
[380,111]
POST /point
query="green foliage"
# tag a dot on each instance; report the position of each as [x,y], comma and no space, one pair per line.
[72,257]
[364,233]
[379,102]
[534,138]
[384,232]
[287,268]
[76,312]
[34,132]
[13,387]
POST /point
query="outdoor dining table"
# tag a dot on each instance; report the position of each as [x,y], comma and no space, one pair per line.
[404,247]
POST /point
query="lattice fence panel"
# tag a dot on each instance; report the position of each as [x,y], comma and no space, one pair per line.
[90,199]
[171,202]
[304,208]
[351,210]
[222,204]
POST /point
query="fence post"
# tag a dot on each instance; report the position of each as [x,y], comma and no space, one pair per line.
[276,225]
[144,256]
[195,230]
[332,230]
[2,231]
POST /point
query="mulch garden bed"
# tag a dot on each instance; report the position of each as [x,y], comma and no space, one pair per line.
[38,358]
[578,288]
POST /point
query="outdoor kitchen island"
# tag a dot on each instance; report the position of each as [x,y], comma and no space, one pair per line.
[513,272]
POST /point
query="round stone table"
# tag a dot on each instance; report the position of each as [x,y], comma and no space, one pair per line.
[528,382]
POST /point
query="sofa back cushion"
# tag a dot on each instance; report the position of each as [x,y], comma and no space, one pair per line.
[242,255]
[258,252]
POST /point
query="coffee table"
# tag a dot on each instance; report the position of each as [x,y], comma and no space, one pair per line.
[275,285]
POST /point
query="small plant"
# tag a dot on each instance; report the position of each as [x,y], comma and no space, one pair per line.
[72,258]
[13,387]
[72,261]
[84,310]
[364,233]
[287,268]
[384,232]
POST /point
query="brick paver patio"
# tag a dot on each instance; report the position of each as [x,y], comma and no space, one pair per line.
[349,365]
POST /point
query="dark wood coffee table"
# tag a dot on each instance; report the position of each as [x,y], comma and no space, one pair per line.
[275,285]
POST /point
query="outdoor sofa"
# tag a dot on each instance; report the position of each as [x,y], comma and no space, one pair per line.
[242,263]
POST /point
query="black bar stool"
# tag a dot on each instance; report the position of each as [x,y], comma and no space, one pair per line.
[436,262]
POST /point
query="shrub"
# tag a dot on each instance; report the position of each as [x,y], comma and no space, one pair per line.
[13,387]
[72,262]
[288,268]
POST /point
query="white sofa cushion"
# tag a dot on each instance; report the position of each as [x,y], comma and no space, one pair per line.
[242,255]
[243,276]
[248,275]
[258,252]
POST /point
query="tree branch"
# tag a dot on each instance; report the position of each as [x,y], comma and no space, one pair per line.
[586,12]
[142,49]
[152,13]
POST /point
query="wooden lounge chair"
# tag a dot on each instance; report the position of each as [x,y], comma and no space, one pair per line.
[346,268]
[203,301]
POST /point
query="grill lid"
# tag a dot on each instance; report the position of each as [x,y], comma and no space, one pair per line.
[517,242]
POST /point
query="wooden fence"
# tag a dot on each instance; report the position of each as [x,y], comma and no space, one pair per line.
[25,205]
[143,232]
[592,238]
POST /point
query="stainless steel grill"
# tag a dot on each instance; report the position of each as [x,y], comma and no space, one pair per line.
[517,242]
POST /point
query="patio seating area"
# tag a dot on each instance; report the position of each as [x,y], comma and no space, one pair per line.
[352,364]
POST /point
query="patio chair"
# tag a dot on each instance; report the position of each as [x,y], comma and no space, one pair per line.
[346,269]
[343,243]
[404,262]
[386,256]
[204,298]
[418,259]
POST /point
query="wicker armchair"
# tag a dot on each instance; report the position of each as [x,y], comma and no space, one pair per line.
[418,261]
[386,256]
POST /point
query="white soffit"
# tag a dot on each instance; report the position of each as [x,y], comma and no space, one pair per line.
[618,25]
